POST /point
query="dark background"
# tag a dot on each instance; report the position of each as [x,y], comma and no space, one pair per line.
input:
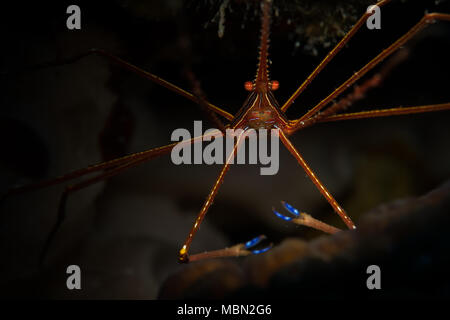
[125,234]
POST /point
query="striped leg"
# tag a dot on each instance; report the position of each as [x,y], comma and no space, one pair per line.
[331,55]
[327,195]
[425,21]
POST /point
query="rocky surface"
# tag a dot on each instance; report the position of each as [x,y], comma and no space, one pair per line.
[408,239]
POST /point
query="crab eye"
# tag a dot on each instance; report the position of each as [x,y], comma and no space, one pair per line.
[274,85]
[248,86]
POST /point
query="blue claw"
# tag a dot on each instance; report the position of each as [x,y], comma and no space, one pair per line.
[281,216]
[254,241]
[290,208]
[262,250]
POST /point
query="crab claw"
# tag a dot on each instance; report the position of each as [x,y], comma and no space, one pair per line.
[302,218]
[258,251]
[289,208]
[255,241]
[281,216]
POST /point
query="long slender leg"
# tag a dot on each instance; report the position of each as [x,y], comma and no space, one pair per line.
[330,56]
[426,20]
[317,182]
[387,112]
[184,252]
[238,250]
[234,251]
[197,90]
[94,168]
[136,70]
[358,93]
[144,155]
[75,187]
[83,184]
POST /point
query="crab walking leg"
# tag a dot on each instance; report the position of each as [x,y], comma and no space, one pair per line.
[317,182]
[162,82]
[128,66]
[88,182]
[359,92]
[304,219]
[144,155]
[330,56]
[234,251]
[425,21]
[71,189]
[202,102]
[387,112]
[184,251]
[148,154]
[238,250]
